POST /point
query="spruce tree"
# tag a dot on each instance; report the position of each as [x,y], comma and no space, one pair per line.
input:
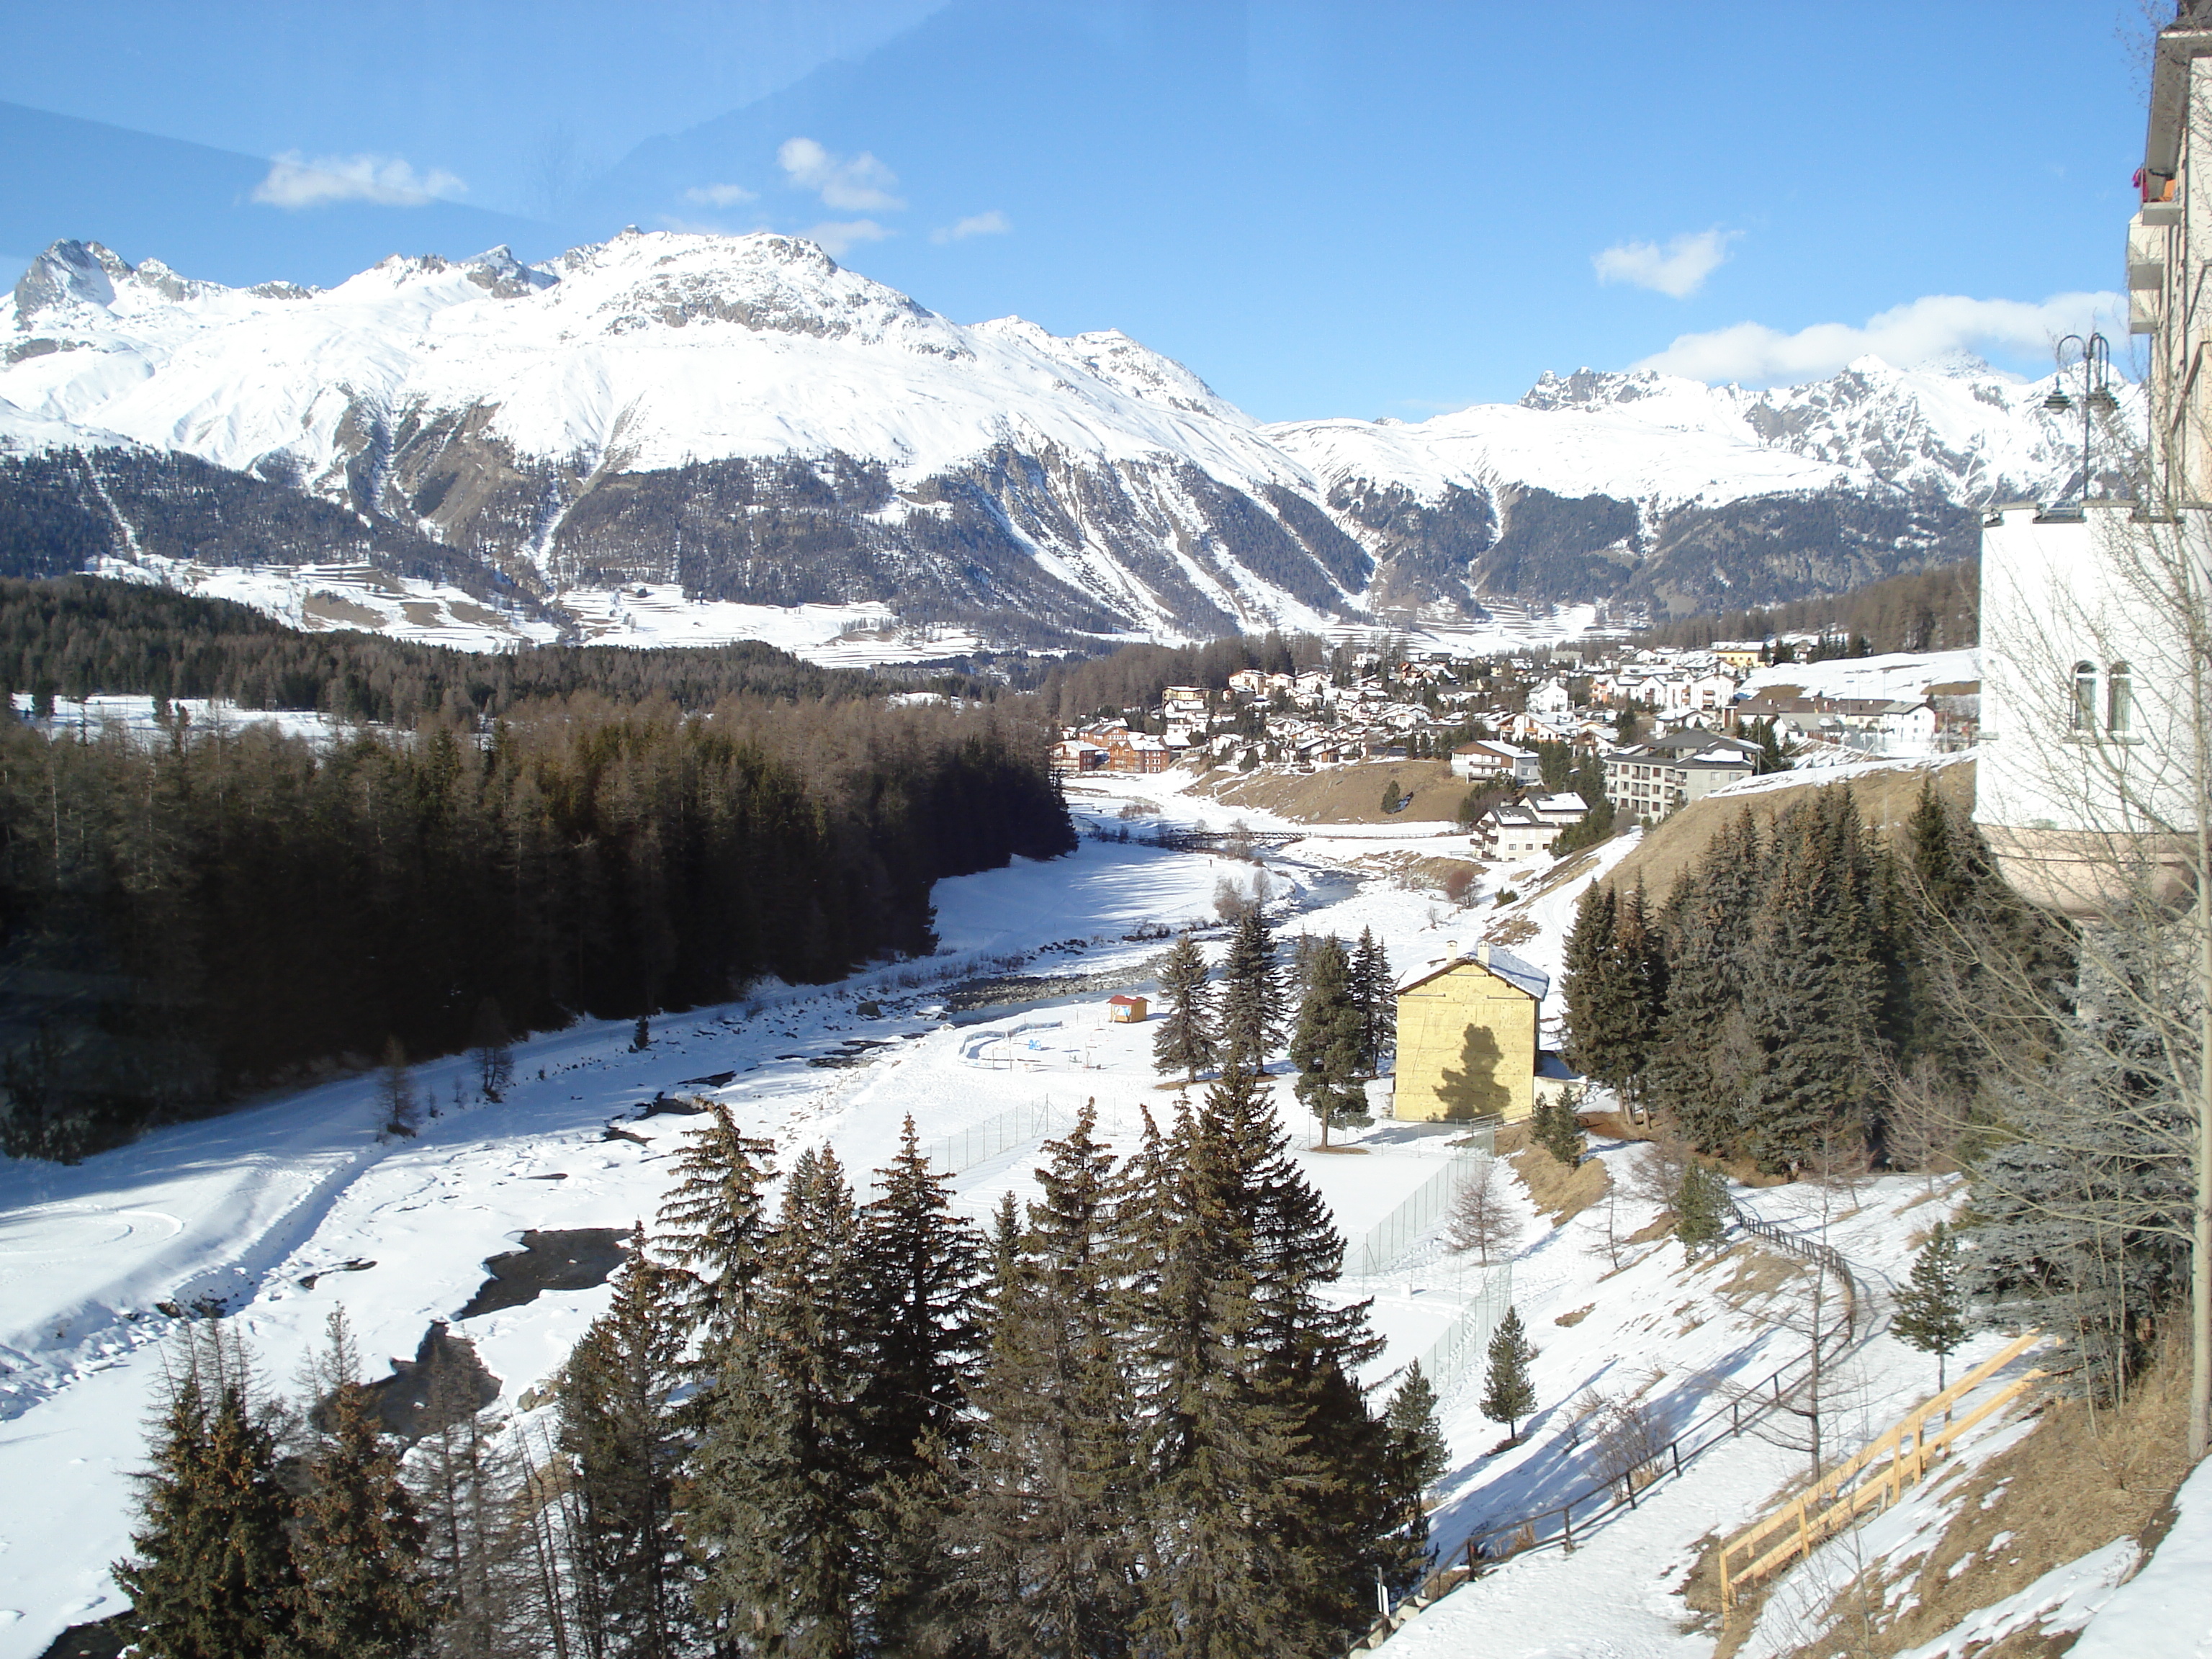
[1811,987]
[1552,1126]
[919,1272]
[211,1575]
[1251,996]
[1508,1393]
[1587,962]
[357,1544]
[619,1427]
[775,1510]
[1696,1072]
[1326,1045]
[1700,1208]
[1931,1309]
[1419,1459]
[1048,1524]
[714,1222]
[1375,988]
[1185,1040]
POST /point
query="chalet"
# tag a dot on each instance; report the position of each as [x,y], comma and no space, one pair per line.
[1497,760]
[1126,1009]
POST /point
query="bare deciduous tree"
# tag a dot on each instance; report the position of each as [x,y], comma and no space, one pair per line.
[1483,1219]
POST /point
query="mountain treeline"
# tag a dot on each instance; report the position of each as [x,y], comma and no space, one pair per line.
[1125,1422]
[182,920]
[1937,609]
[77,635]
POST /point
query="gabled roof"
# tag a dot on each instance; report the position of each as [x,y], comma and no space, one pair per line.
[1530,981]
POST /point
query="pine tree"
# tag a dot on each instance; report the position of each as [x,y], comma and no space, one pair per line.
[1811,987]
[357,1545]
[1251,996]
[210,1576]
[1185,1040]
[1508,1393]
[1700,1208]
[1050,1521]
[919,1270]
[1552,1126]
[1277,1437]
[714,1222]
[1374,987]
[1325,1047]
[619,1425]
[1697,1074]
[1419,1458]
[1587,962]
[1931,1309]
[775,1512]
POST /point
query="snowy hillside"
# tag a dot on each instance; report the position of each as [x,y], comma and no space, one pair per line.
[745,420]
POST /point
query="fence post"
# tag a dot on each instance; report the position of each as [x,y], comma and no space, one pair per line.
[1735,1418]
[1675,1449]
[1567,1524]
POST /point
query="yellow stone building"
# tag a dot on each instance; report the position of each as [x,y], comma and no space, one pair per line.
[1467,1039]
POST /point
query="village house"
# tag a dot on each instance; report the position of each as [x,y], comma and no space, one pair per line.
[1078,755]
[1466,1038]
[1522,829]
[1474,761]
[1646,782]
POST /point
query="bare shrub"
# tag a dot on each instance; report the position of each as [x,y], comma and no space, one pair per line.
[1627,1437]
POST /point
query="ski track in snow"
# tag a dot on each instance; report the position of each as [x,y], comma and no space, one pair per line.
[246,1205]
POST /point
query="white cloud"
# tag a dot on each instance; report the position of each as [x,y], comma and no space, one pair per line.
[994,223]
[860,184]
[720,196]
[1679,269]
[836,236]
[1903,335]
[295,181]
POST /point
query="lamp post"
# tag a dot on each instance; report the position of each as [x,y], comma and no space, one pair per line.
[2093,360]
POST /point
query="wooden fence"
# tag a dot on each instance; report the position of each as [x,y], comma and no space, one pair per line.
[1875,1477]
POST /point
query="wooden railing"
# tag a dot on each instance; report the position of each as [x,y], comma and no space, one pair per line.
[1875,1476]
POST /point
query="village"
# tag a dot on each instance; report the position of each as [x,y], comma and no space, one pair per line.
[1542,738]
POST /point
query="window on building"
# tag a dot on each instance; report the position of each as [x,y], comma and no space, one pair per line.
[2120,698]
[2085,696]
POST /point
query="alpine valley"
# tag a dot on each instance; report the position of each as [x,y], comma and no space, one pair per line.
[679,438]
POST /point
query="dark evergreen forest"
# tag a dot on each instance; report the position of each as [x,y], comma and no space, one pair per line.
[231,907]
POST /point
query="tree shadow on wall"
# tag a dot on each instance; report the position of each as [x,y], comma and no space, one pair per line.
[1475,1089]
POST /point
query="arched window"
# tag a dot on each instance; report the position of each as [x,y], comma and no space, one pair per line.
[2120,698]
[2085,696]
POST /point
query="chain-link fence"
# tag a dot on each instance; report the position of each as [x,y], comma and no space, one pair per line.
[956,1154]
[1461,1347]
[1391,1239]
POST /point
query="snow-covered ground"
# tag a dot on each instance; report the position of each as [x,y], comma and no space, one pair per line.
[251,1206]
[1899,676]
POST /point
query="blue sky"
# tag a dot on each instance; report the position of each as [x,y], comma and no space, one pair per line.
[1366,207]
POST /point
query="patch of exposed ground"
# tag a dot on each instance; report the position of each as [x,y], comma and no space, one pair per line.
[1345,795]
[330,608]
[446,1383]
[559,1259]
[2083,1478]
[1558,1192]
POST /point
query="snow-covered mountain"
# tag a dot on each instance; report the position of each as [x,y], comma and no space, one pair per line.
[742,421]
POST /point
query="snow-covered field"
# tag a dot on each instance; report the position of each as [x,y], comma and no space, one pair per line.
[248,1207]
[1899,676]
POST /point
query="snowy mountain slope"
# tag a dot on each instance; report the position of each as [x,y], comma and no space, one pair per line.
[746,420]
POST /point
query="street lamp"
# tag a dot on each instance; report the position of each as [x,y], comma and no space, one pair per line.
[2093,360]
